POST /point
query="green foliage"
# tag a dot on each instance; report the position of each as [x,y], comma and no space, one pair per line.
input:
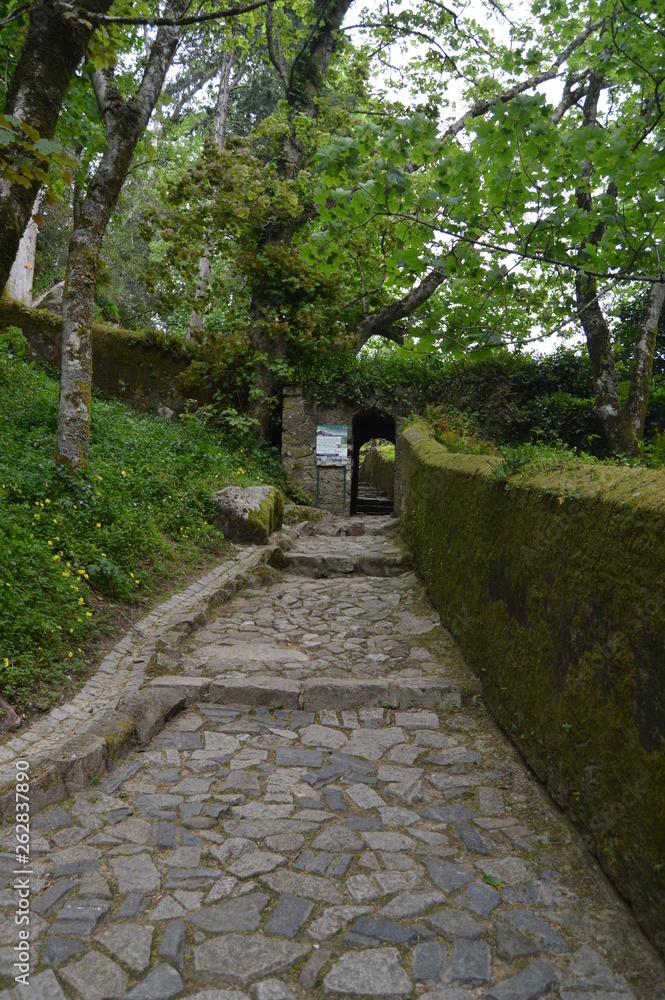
[457,431]
[653,451]
[532,458]
[25,157]
[142,510]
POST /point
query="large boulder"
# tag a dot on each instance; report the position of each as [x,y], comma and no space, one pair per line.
[249,513]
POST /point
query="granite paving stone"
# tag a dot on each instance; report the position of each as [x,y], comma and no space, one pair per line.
[289,915]
[529,983]
[412,903]
[241,914]
[367,930]
[454,924]
[130,943]
[447,876]
[96,977]
[480,898]
[45,986]
[375,973]
[59,950]
[136,874]
[162,983]
[272,989]
[470,962]
[173,943]
[242,958]
[429,962]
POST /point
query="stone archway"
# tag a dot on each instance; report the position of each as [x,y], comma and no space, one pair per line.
[366,425]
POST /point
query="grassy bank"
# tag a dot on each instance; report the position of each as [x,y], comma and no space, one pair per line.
[71,545]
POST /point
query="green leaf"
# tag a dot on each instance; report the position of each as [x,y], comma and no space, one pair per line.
[47,146]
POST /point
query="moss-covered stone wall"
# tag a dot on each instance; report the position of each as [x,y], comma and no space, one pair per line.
[554,585]
[145,370]
[378,469]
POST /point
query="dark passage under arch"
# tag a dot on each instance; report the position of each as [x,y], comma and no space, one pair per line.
[368,424]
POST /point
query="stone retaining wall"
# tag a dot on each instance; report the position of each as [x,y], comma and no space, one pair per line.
[554,584]
[134,366]
[378,469]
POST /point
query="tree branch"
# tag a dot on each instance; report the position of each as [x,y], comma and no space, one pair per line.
[277,59]
[100,84]
[155,22]
[382,321]
[482,107]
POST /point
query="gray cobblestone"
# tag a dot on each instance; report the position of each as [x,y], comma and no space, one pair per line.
[244,836]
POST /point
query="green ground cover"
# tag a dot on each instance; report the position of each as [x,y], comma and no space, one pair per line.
[70,547]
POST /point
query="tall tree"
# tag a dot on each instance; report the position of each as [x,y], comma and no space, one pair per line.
[125,120]
[229,79]
[302,80]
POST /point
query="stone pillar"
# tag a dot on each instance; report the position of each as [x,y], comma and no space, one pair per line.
[299,420]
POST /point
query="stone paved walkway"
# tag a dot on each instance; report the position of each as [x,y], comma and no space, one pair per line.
[277,854]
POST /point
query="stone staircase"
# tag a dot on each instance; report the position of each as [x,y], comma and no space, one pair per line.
[372,501]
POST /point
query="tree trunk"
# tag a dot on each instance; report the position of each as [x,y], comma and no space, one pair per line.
[22,274]
[54,46]
[125,122]
[267,388]
[603,367]
[221,117]
[623,425]
[643,352]
[196,318]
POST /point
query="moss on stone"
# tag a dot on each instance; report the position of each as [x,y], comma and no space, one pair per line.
[268,515]
[146,369]
[378,468]
[555,586]
[295,513]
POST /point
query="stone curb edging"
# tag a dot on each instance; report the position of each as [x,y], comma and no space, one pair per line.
[113,711]
[312,694]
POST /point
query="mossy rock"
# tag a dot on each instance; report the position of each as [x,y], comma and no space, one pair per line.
[295,513]
[249,514]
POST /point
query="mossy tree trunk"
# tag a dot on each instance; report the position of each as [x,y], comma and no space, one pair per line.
[54,46]
[125,122]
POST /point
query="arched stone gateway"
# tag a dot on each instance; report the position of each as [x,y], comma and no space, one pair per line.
[337,488]
[367,426]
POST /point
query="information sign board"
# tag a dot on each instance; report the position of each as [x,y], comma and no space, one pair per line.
[332,444]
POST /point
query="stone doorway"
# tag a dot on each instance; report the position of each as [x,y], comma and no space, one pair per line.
[370,493]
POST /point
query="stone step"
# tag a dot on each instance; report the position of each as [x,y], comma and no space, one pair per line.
[316,693]
[326,564]
[374,505]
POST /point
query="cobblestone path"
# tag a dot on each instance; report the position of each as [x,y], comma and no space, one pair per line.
[276,854]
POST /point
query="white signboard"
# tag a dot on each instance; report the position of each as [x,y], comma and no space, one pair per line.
[332,444]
